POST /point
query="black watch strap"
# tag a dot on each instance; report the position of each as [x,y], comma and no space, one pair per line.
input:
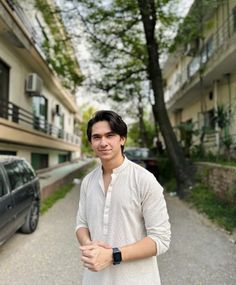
[116,253]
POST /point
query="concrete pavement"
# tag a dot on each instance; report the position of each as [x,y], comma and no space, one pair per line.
[51,179]
[49,256]
[200,252]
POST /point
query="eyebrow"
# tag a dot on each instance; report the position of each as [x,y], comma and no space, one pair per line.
[108,133]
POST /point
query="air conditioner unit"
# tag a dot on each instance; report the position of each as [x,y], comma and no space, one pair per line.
[33,84]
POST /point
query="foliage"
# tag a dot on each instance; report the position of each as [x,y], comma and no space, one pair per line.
[166,173]
[115,31]
[87,114]
[128,38]
[187,131]
[207,202]
[170,185]
[134,134]
[197,152]
[222,117]
[51,200]
[190,30]
[213,158]
[220,125]
[56,51]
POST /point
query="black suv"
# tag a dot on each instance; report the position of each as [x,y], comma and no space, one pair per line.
[19,197]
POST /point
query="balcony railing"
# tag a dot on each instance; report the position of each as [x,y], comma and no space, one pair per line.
[34,31]
[16,114]
[212,45]
[23,18]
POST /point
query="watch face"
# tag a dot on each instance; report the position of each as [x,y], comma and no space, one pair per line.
[116,256]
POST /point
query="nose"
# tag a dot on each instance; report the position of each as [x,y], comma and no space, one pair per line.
[103,141]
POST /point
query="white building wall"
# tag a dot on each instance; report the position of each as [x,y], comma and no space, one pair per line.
[21,64]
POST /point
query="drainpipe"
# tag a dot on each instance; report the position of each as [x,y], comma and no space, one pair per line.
[227,130]
[217,136]
[228,78]
[217,29]
[228,18]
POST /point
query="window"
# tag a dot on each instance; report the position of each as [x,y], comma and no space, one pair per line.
[40,111]
[15,174]
[209,119]
[39,160]
[194,66]
[210,48]
[28,171]
[2,185]
[63,158]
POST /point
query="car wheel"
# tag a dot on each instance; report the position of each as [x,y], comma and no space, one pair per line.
[32,219]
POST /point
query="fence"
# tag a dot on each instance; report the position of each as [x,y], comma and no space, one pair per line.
[16,114]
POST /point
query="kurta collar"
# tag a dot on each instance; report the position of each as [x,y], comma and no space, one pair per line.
[119,168]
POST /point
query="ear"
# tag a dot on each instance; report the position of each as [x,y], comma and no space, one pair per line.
[123,140]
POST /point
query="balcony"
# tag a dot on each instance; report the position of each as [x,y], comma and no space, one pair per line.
[19,28]
[18,125]
[216,58]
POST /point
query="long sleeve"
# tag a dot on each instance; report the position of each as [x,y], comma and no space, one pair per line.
[155,214]
[81,220]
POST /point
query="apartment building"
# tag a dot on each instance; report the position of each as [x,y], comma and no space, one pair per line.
[201,78]
[39,117]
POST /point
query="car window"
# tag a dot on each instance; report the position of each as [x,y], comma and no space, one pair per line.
[138,153]
[22,171]
[3,189]
[28,171]
[143,153]
[15,174]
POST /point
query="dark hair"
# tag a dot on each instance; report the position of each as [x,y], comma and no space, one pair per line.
[115,122]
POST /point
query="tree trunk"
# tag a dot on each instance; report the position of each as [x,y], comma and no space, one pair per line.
[183,171]
[142,128]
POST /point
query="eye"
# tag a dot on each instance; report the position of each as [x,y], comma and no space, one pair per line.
[95,137]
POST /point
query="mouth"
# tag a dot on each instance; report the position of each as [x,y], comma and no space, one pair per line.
[104,150]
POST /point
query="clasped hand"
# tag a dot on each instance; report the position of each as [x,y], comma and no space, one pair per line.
[96,256]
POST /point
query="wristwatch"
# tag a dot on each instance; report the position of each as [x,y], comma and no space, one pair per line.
[116,253]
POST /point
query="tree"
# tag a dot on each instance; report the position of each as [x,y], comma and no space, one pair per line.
[135,138]
[181,167]
[126,46]
[87,114]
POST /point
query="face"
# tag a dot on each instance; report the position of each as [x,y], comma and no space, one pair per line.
[106,143]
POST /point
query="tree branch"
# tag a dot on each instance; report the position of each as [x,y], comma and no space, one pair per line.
[124,77]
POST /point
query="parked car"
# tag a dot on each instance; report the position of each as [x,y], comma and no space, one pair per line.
[144,157]
[19,197]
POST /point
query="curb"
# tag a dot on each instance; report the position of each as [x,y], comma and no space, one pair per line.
[47,190]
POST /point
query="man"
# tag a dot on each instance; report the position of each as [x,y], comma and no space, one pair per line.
[122,221]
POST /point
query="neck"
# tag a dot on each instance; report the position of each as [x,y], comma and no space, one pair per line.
[108,166]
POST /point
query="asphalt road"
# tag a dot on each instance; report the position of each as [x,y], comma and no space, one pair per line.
[200,253]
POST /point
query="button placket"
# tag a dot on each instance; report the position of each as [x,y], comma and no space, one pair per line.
[107,206]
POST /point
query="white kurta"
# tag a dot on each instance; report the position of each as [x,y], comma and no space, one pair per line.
[133,208]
